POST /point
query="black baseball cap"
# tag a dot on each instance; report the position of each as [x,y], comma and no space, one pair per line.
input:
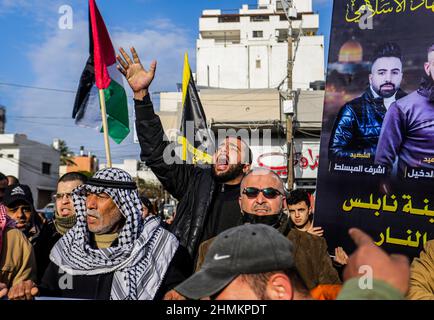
[246,249]
[18,192]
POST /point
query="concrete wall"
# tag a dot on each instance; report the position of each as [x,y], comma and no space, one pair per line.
[26,165]
[258,65]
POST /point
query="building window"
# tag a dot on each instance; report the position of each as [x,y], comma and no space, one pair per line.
[258,64]
[46,168]
[229,18]
[10,155]
[258,34]
[259,18]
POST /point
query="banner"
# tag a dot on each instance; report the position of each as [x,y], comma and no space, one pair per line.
[376,168]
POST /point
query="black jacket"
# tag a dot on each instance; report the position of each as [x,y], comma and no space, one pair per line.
[42,244]
[358,125]
[193,186]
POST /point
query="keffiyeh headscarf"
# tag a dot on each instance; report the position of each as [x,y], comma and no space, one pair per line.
[5,222]
[143,251]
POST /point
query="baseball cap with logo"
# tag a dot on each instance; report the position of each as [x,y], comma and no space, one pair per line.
[18,192]
[246,249]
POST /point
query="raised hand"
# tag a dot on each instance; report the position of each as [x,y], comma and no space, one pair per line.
[392,269]
[317,231]
[341,256]
[138,78]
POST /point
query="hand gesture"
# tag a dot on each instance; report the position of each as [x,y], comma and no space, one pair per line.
[138,78]
[317,231]
[173,295]
[340,256]
[393,269]
[25,290]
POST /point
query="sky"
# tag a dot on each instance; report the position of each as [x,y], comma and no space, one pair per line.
[37,53]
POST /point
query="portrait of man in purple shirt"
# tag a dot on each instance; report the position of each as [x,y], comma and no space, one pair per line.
[408,127]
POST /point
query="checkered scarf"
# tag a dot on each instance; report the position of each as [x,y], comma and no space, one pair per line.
[5,222]
[143,251]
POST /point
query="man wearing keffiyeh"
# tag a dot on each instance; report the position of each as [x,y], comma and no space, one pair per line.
[111,252]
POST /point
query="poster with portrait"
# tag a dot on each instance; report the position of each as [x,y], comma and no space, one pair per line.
[376,168]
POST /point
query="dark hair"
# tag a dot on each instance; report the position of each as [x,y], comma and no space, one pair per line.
[296,196]
[258,282]
[73,176]
[387,50]
[2,177]
[14,179]
[147,203]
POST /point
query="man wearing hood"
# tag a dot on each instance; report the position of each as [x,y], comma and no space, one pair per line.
[408,127]
[262,200]
[111,252]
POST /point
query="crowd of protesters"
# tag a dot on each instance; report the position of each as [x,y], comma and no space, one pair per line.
[237,233]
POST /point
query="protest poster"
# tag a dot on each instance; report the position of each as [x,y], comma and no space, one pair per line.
[376,168]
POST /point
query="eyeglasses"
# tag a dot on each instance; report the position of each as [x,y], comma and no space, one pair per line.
[59,196]
[269,193]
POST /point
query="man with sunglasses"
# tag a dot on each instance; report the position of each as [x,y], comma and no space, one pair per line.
[262,200]
[207,195]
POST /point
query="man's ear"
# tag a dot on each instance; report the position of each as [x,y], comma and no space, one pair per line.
[426,66]
[246,168]
[284,204]
[279,287]
[370,78]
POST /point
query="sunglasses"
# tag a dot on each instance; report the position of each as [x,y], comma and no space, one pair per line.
[269,193]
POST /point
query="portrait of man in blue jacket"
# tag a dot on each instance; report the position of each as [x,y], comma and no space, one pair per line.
[358,124]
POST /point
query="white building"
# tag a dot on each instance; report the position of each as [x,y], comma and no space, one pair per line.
[33,163]
[248,49]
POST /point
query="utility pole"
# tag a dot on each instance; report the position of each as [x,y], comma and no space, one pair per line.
[290,12]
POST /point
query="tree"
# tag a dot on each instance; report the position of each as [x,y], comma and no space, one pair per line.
[66,155]
[149,189]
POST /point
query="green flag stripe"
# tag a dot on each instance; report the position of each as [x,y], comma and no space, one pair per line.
[117,111]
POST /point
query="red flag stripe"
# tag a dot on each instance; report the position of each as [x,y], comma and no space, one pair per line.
[103,52]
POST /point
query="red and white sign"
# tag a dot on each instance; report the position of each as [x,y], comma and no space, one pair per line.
[306,157]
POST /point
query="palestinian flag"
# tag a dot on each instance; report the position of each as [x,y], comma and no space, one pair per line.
[100,73]
[197,140]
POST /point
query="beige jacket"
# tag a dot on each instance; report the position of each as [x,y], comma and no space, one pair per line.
[17,261]
[422,275]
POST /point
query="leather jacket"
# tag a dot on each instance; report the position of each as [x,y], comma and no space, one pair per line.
[358,125]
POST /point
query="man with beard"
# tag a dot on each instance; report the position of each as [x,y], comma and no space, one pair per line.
[207,195]
[262,200]
[111,252]
[408,128]
[358,124]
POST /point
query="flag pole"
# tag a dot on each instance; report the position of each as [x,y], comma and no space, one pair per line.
[105,128]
